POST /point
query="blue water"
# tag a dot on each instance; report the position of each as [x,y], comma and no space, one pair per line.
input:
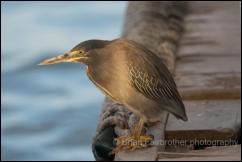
[50,112]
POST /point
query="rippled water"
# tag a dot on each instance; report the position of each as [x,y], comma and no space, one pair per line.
[50,112]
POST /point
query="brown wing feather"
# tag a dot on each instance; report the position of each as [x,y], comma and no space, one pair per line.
[149,76]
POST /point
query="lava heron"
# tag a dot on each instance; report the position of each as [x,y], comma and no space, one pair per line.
[131,75]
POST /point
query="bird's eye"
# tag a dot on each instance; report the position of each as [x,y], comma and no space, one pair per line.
[81,52]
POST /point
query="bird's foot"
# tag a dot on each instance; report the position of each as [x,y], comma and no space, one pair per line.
[130,143]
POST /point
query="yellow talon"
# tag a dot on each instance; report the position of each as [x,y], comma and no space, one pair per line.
[119,138]
[143,138]
[132,149]
[134,141]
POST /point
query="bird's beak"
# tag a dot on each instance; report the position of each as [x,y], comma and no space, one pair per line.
[67,57]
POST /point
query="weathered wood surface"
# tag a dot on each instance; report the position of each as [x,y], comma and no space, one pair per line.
[222,153]
[208,62]
[211,28]
[208,67]
[208,76]
[208,120]
[209,114]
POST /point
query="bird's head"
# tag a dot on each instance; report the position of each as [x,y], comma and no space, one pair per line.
[81,53]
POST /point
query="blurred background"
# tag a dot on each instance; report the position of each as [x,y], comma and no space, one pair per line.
[50,112]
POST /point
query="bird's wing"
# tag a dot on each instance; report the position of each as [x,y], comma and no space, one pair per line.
[149,85]
[149,76]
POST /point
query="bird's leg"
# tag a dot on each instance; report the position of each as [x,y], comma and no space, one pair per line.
[137,132]
[136,127]
[133,133]
[140,141]
[130,143]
